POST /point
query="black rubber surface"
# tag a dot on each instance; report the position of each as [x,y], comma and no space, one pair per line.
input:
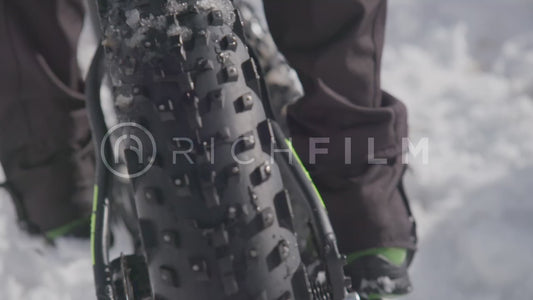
[212,226]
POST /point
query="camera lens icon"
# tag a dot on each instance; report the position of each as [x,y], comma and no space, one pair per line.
[132,144]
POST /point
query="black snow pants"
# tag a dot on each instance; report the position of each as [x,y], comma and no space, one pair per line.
[45,147]
[336,48]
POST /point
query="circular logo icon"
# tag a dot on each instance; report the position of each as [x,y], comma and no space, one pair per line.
[132,142]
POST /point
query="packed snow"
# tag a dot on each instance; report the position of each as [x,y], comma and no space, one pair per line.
[464,69]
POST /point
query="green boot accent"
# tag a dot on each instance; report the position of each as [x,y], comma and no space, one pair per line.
[379,273]
[396,256]
[78,228]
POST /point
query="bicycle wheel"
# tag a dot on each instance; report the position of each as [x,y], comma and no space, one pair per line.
[213,211]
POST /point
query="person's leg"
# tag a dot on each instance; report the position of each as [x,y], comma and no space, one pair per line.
[45,138]
[336,48]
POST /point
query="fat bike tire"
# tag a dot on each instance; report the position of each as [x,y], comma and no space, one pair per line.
[214,216]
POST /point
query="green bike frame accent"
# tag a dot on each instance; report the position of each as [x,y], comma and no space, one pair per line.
[93,221]
[289,143]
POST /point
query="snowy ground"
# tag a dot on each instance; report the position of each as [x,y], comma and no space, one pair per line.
[465,70]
